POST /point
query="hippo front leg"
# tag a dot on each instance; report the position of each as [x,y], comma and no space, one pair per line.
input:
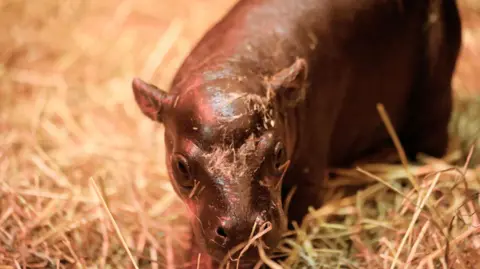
[306,185]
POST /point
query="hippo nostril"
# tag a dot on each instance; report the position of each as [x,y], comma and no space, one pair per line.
[221,232]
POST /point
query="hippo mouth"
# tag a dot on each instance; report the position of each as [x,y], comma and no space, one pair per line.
[247,254]
[247,259]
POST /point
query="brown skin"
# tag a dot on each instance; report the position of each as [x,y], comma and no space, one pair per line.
[279,80]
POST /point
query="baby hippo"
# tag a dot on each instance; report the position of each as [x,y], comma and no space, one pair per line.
[279,90]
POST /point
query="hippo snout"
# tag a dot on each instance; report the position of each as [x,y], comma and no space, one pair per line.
[230,235]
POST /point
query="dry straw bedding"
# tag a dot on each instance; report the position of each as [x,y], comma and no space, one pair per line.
[67,115]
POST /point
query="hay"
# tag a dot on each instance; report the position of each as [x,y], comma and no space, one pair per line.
[67,114]
[380,227]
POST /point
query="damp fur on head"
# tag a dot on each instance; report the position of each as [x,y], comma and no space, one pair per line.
[256,104]
[230,162]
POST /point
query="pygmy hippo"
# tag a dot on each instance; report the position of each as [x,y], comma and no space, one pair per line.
[279,90]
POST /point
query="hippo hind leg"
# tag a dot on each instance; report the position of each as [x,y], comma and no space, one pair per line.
[431,101]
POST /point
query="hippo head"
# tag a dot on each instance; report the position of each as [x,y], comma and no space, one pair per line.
[226,157]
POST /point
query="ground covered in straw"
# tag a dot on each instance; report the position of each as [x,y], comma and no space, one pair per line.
[67,115]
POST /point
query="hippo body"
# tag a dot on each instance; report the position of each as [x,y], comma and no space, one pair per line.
[279,90]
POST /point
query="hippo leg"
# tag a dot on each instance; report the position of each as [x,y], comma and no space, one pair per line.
[431,101]
[307,193]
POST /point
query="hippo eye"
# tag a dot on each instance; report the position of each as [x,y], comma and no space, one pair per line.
[280,156]
[182,171]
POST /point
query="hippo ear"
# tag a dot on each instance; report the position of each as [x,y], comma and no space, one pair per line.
[152,101]
[288,86]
